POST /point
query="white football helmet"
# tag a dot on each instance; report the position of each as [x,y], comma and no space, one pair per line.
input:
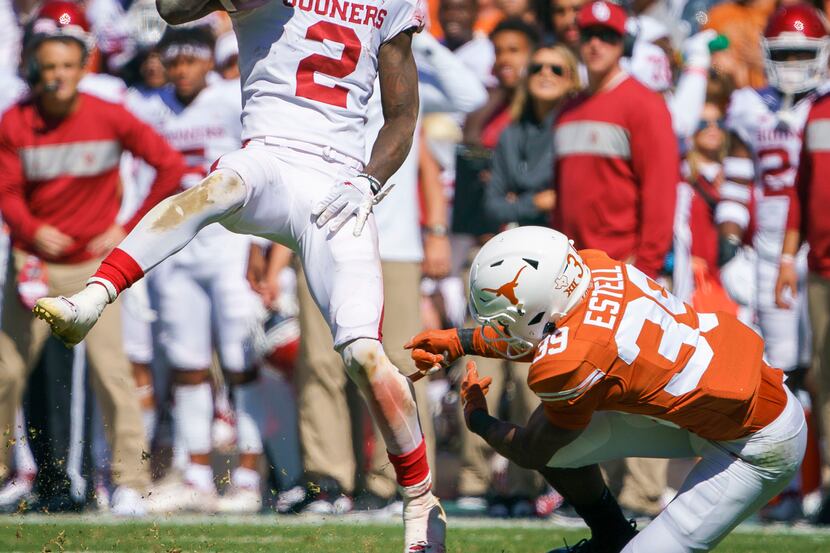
[522,282]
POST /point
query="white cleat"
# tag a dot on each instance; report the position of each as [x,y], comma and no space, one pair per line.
[71,318]
[184,497]
[425,525]
[239,500]
[127,502]
[17,488]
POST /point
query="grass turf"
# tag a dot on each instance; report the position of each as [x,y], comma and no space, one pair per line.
[290,535]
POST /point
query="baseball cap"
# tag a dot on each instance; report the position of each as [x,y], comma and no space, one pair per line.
[602,14]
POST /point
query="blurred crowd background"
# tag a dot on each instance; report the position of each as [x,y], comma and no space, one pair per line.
[524,121]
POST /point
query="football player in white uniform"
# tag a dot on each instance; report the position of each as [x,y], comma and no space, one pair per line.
[766,128]
[308,68]
[208,275]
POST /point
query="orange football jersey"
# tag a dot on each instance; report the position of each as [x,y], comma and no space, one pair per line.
[631,346]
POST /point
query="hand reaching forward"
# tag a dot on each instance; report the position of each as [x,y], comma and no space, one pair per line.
[474,391]
[434,349]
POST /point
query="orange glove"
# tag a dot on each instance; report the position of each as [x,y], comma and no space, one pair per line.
[433,349]
[473,391]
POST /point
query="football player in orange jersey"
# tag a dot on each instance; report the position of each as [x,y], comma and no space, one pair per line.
[623,369]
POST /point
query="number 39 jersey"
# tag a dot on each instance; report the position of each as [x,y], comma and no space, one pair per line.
[633,347]
[773,137]
[309,66]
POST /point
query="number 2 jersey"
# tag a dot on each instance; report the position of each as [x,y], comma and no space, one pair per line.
[633,347]
[773,136]
[308,66]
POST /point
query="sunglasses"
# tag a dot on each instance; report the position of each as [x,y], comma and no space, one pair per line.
[704,124]
[606,35]
[535,68]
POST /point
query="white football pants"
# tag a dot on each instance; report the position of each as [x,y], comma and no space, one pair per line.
[732,480]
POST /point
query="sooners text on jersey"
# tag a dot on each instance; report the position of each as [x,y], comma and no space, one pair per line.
[308,66]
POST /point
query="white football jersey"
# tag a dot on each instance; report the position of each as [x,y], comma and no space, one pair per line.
[773,136]
[202,131]
[308,66]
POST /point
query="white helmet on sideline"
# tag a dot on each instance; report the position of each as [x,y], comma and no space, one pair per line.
[524,279]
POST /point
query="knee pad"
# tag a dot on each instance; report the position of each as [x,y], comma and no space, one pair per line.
[364,355]
[225,188]
[362,358]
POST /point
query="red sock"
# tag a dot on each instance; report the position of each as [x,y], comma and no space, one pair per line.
[411,468]
[120,269]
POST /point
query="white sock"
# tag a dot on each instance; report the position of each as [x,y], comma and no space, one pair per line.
[245,478]
[24,461]
[148,417]
[193,415]
[200,476]
[181,457]
[249,417]
[417,490]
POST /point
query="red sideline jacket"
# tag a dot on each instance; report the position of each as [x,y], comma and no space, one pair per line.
[65,173]
[616,175]
[808,211]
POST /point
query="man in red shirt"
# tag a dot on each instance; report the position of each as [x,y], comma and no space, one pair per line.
[59,194]
[807,221]
[616,177]
[617,158]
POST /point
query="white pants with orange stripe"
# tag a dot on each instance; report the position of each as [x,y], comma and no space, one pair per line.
[732,479]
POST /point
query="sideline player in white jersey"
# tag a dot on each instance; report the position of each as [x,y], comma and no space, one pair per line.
[308,68]
[208,275]
[766,128]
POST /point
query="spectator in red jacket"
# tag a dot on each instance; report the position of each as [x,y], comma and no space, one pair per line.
[617,158]
[807,221]
[616,176]
[59,194]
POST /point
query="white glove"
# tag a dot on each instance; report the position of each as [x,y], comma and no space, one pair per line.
[356,197]
[696,49]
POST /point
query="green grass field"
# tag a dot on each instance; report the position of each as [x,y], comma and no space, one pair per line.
[318,535]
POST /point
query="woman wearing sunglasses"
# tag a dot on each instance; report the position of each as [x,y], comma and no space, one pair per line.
[519,191]
[696,270]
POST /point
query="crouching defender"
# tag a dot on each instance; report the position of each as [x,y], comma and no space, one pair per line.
[623,369]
